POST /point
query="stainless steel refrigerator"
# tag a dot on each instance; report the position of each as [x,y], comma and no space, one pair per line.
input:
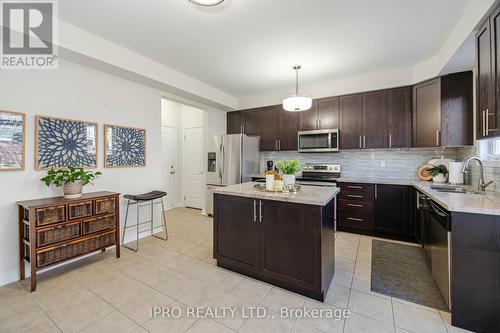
[232,159]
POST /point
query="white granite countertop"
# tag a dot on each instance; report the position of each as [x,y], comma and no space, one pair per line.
[309,195]
[484,203]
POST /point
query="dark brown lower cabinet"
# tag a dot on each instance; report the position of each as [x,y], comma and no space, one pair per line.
[290,245]
[375,209]
[475,272]
[392,211]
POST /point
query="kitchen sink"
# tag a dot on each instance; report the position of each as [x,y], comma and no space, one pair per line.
[454,189]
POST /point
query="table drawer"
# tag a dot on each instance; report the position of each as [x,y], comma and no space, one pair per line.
[61,252]
[49,215]
[98,223]
[105,205]
[80,210]
[56,234]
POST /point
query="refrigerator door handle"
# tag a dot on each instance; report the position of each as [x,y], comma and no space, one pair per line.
[222,171]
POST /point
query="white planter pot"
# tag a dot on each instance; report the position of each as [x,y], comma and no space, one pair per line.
[73,190]
[440,178]
[288,180]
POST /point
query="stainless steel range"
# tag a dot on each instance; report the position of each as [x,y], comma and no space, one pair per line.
[317,174]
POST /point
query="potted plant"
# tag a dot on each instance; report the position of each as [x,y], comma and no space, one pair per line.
[289,169]
[71,179]
[439,173]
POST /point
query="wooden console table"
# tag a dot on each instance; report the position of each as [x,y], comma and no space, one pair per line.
[52,230]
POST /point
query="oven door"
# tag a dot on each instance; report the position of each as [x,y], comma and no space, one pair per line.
[318,141]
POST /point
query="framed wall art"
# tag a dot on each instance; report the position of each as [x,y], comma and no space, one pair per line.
[124,146]
[12,140]
[60,143]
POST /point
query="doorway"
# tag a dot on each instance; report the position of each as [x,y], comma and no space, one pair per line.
[193,173]
[169,163]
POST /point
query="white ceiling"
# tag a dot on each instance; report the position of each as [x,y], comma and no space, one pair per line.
[248,47]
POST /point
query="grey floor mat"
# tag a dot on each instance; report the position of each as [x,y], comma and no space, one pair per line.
[401,271]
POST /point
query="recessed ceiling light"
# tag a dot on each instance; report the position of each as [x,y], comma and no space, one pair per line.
[207,3]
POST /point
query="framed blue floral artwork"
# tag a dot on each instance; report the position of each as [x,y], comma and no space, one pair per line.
[60,143]
[124,146]
[12,140]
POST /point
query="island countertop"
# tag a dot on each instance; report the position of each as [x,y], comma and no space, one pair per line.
[309,195]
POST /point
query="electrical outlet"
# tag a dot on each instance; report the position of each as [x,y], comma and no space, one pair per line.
[382,164]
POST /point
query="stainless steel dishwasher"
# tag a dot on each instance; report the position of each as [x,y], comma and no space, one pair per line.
[440,248]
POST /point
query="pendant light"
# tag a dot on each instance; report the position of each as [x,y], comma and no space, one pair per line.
[297,102]
[207,3]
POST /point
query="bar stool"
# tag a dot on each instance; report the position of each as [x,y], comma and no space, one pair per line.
[138,199]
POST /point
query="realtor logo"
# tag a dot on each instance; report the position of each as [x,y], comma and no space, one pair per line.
[28,34]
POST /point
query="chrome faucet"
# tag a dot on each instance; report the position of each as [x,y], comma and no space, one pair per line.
[481,185]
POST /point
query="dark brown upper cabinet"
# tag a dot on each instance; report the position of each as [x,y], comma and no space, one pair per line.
[399,117]
[442,111]
[243,122]
[234,122]
[289,126]
[427,113]
[351,121]
[488,78]
[375,119]
[324,114]
[269,128]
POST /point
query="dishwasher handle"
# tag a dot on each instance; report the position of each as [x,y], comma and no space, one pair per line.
[441,215]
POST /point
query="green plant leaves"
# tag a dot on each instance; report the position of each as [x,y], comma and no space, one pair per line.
[289,167]
[69,175]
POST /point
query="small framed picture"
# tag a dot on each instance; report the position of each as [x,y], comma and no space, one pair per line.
[12,140]
[124,146]
[61,143]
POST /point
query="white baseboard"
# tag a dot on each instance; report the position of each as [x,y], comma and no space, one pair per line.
[13,276]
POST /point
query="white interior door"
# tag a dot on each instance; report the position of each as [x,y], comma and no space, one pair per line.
[169,159]
[192,167]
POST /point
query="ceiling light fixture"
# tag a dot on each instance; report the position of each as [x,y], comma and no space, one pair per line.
[207,3]
[297,102]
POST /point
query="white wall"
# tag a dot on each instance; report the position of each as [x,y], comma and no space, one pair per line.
[77,92]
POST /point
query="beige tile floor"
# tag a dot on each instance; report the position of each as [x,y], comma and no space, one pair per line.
[105,294]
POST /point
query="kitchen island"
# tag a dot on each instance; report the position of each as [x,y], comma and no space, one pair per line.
[286,239]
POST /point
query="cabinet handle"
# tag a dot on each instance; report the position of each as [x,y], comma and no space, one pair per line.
[487,129]
[390,140]
[437,137]
[355,219]
[376,191]
[354,186]
[255,211]
[484,123]
[355,205]
[279,144]
[360,146]
[260,210]
[354,196]
[364,141]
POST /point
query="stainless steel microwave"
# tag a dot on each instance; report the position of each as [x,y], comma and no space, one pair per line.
[318,141]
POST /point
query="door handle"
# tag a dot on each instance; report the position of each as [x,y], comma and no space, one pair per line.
[354,186]
[390,140]
[355,205]
[260,210]
[354,196]
[355,219]
[376,191]
[255,211]
[437,137]
[360,146]
[279,144]
[364,141]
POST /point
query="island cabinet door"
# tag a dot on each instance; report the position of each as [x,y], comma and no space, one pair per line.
[237,232]
[290,243]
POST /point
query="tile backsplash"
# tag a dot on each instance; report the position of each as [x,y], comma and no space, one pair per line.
[399,163]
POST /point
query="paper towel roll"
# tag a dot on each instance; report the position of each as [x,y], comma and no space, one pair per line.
[456,177]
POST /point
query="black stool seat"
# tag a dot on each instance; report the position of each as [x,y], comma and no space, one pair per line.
[146,196]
